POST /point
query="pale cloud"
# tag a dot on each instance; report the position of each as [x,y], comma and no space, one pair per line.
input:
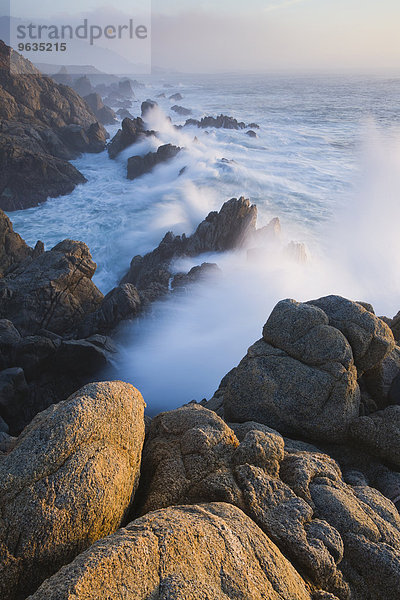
[283,4]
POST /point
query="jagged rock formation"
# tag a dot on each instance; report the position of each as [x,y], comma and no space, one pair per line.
[42,126]
[202,272]
[180,110]
[13,249]
[51,315]
[132,130]
[209,551]
[221,122]
[54,291]
[122,303]
[147,105]
[140,165]
[221,231]
[82,472]
[103,113]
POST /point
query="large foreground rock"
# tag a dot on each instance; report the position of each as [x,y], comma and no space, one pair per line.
[294,493]
[370,338]
[68,482]
[208,552]
[192,456]
[52,292]
[299,379]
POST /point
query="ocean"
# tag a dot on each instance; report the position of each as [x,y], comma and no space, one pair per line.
[326,162]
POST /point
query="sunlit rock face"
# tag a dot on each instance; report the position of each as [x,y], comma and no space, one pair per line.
[68,482]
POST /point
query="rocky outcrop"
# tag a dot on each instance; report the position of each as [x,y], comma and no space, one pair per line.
[140,165]
[122,303]
[148,105]
[300,378]
[209,551]
[370,338]
[132,130]
[180,110]
[294,493]
[54,291]
[176,97]
[379,433]
[44,369]
[40,122]
[201,273]
[75,488]
[221,122]
[103,113]
[13,249]
[219,232]
[192,456]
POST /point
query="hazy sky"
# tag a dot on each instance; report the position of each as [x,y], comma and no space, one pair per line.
[274,34]
[254,35]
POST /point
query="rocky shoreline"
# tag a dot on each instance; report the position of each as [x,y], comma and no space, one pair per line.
[285,485]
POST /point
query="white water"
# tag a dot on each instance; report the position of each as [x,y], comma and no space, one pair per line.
[327,162]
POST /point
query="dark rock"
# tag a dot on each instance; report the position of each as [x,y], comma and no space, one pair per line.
[103,113]
[132,130]
[148,105]
[162,95]
[97,137]
[381,381]
[395,326]
[9,339]
[54,291]
[219,232]
[124,114]
[27,178]
[14,397]
[13,249]
[221,122]
[176,97]
[180,110]
[195,275]
[120,304]
[3,426]
[140,165]
[253,126]
[379,433]
[251,133]
[34,114]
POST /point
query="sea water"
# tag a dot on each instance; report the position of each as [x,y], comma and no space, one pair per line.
[326,161]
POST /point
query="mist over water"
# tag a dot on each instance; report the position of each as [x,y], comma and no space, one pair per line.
[326,161]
